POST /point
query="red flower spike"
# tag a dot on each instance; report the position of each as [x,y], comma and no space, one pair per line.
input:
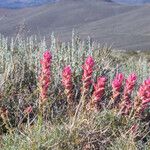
[87,73]
[99,89]
[144,95]
[44,78]
[130,83]
[117,84]
[67,82]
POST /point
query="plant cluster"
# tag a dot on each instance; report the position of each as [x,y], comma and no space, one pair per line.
[87,99]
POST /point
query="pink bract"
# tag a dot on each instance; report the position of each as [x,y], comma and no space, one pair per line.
[87,73]
[67,82]
[144,94]
[130,83]
[44,78]
[117,82]
[99,89]
[66,76]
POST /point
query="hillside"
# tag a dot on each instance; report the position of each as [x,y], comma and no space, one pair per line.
[121,25]
[137,2]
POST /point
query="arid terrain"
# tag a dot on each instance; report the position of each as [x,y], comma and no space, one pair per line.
[122,26]
[85,87]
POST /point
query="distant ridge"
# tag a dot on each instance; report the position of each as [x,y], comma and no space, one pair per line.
[132,2]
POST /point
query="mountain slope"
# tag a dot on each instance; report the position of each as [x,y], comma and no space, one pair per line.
[133,2]
[126,27]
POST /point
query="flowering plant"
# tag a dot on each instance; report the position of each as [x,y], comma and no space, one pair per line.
[44,78]
[67,83]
